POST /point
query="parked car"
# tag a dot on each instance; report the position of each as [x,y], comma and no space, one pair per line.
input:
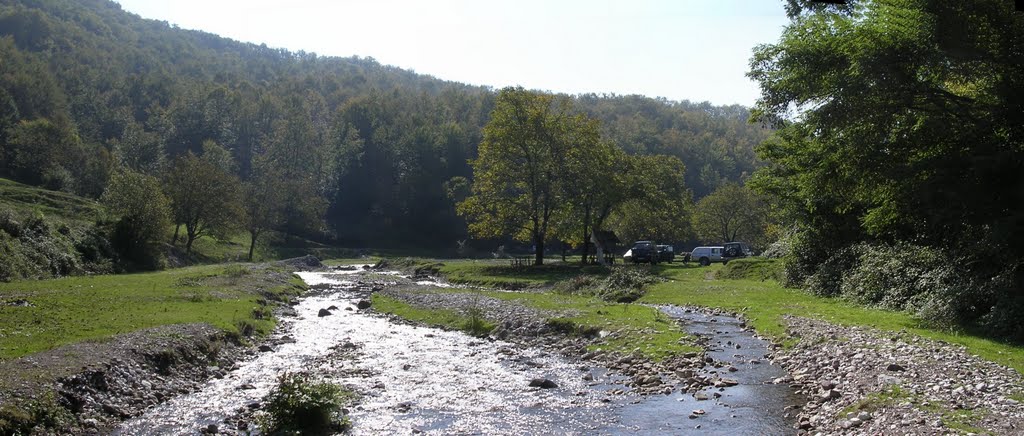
[666,253]
[643,251]
[735,250]
[707,255]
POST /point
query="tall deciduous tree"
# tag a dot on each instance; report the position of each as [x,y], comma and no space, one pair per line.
[656,204]
[733,212]
[143,214]
[264,202]
[521,171]
[901,120]
[205,197]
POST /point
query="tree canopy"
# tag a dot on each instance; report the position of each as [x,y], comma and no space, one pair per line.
[900,122]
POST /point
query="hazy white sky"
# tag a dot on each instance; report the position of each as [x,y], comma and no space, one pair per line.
[677,49]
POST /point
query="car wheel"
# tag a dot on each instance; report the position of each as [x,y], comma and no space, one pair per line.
[705,261]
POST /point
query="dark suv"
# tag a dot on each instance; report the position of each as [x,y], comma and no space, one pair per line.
[735,250]
[644,251]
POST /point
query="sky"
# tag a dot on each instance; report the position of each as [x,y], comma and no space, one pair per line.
[696,50]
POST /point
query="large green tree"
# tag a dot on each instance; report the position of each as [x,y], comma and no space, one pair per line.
[732,213]
[900,120]
[143,214]
[205,198]
[523,168]
[656,202]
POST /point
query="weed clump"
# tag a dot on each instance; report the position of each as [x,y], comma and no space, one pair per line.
[301,404]
[624,285]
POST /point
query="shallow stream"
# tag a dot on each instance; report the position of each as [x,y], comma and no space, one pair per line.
[416,379]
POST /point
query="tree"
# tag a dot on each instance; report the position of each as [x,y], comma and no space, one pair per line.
[656,200]
[264,202]
[594,192]
[521,171]
[732,213]
[899,120]
[143,211]
[205,198]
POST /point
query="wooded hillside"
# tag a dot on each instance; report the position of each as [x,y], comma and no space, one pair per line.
[86,88]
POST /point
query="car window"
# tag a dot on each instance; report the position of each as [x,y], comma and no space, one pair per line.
[716,250]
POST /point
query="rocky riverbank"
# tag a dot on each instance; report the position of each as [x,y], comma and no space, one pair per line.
[864,381]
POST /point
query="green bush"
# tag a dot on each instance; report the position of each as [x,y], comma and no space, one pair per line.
[301,404]
[43,415]
[623,285]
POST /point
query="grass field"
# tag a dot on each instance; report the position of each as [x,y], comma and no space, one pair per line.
[765,302]
[84,308]
[68,207]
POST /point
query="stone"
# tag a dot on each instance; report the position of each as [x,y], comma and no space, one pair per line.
[895,367]
[323,312]
[332,307]
[542,383]
[212,429]
[266,348]
[830,395]
[700,396]
[363,304]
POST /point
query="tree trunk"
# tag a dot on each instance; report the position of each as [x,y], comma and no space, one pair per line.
[252,242]
[177,227]
[586,235]
[538,241]
[188,245]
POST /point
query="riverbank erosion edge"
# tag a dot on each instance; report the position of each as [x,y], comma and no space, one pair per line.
[91,386]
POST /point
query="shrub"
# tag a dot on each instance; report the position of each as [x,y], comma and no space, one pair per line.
[624,284]
[35,416]
[827,279]
[303,405]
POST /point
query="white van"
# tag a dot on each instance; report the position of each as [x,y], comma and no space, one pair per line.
[706,255]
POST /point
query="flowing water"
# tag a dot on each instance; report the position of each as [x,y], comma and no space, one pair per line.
[416,379]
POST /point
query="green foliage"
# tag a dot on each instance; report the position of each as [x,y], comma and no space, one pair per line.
[533,153]
[364,148]
[732,213]
[39,415]
[899,121]
[300,404]
[143,216]
[656,201]
[205,197]
[624,284]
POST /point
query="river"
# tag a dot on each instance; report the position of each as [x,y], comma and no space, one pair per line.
[417,379]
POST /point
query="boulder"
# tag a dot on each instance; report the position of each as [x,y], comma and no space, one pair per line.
[542,383]
[323,312]
[363,304]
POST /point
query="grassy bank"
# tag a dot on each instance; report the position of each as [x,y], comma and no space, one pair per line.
[765,303]
[45,314]
[748,286]
[632,328]
[501,274]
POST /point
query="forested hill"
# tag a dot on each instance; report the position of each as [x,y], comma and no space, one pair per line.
[86,87]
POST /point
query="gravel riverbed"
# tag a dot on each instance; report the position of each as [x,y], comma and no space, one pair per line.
[861,380]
